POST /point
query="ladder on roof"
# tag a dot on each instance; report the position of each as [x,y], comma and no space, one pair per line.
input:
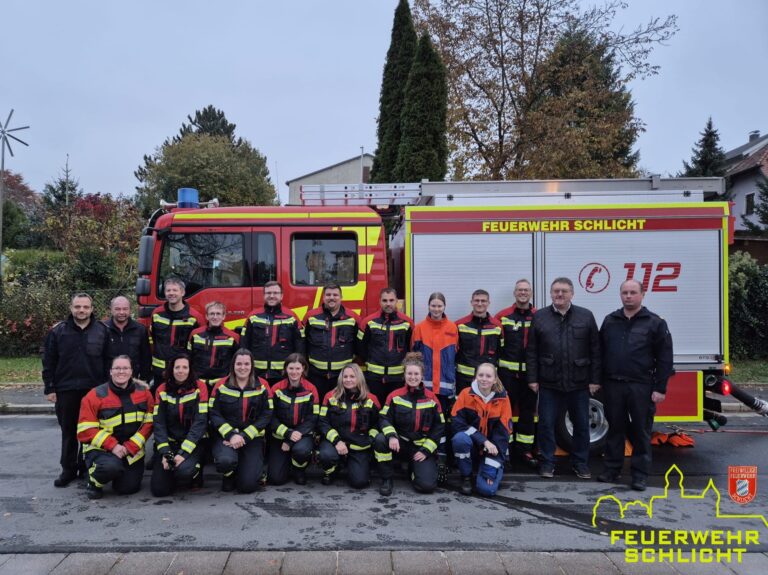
[362,195]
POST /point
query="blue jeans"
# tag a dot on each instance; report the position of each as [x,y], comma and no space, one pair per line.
[491,468]
[550,404]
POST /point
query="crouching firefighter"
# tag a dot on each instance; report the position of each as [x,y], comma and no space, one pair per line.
[115,423]
[412,423]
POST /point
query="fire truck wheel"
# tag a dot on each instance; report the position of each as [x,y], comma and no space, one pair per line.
[598,427]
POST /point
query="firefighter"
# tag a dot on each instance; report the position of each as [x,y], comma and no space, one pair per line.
[331,333]
[272,334]
[115,423]
[212,347]
[297,407]
[412,425]
[170,327]
[563,366]
[180,421]
[482,424]
[74,362]
[384,337]
[515,322]
[480,339]
[637,363]
[240,409]
[436,339]
[348,427]
[128,337]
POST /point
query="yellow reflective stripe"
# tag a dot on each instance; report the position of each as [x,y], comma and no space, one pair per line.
[384,410]
[316,322]
[323,411]
[188,446]
[266,321]
[492,331]
[190,397]
[465,369]
[161,445]
[138,439]
[332,435]
[425,404]
[203,407]
[466,329]
[87,425]
[344,322]
[99,439]
[315,409]
[429,445]
[131,458]
[335,365]
[382,369]
[520,438]
[252,432]
[389,430]
[161,319]
[91,470]
[354,447]
[281,431]
[156,362]
[511,365]
[260,364]
[373,433]
[400,401]
[225,428]
[360,334]
[297,464]
[382,456]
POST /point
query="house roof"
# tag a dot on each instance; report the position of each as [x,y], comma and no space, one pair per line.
[748,156]
[352,159]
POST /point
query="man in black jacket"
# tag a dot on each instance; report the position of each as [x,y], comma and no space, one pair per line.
[128,337]
[563,363]
[637,362]
[74,361]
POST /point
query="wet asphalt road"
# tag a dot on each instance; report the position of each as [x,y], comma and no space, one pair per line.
[529,514]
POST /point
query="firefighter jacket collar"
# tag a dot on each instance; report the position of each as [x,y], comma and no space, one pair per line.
[389,316]
[73,324]
[273,309]
[214,330]
[485,398]
[339,313]
[183,312]
[117,390]
[437,321]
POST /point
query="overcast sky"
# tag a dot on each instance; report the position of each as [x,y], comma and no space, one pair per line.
[107,82]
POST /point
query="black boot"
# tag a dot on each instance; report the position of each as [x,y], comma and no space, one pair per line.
[466,486]
[229,483]
[93,492]
[299,477]
[386,487]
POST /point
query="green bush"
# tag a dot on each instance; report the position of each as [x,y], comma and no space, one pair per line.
[748,291]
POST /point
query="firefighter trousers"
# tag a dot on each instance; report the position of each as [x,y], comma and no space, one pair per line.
[164,482]
[630,412]
[281,462]
[423,474]
[104,467]
[524,399]
[246,463]
[358,461]
[67,414]
[382,385]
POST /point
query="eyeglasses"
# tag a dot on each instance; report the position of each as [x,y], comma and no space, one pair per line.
[121,369]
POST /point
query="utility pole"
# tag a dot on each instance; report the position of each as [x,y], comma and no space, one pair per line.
[5,134]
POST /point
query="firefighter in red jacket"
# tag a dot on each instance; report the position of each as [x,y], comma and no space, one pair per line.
[272,334]
[170,327]
[212,348]
[115,423]
[480,340]
[240,409]
[384,338]
[412,424]
[331,333]
[348,427]
[515,321]
[297,408]
[180,421]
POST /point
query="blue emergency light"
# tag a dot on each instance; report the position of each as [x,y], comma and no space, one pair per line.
[188,198]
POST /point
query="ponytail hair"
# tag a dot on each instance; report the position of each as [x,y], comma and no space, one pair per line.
[498,387]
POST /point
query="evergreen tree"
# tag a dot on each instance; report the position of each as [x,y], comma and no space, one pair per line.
[211,121]
[761,209]
[582,123]
[708,158]
[63,191]
[423,151]
[402,49]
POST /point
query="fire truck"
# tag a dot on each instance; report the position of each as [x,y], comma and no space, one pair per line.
[456,237]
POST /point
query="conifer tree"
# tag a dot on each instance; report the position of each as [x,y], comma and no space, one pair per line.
[402,49]
[708,158]
[423,151]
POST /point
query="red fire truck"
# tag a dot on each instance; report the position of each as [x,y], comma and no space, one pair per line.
[456,237]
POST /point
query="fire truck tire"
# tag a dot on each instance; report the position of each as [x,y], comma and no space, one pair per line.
[598,428]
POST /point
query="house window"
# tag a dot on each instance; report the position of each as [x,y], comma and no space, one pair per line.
[750,209]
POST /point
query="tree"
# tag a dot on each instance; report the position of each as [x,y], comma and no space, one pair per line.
[211,121]
[761,209]
[17,190]
[236,175]
[708,159]
[62,191]
[582,125]
[15,224]
[402,49]
[495,53]
[423,151]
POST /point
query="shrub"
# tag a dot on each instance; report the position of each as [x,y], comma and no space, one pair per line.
[748,291]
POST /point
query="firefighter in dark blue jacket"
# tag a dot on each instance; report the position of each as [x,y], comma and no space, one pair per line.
[637,362]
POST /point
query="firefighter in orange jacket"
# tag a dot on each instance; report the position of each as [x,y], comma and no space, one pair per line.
[480,339]
[331,333]
[413,425]
[515,321]
[211,348]
[115,423]
[482,423]
[384,338]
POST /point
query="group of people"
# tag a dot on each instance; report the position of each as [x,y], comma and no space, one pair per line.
[354,391]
